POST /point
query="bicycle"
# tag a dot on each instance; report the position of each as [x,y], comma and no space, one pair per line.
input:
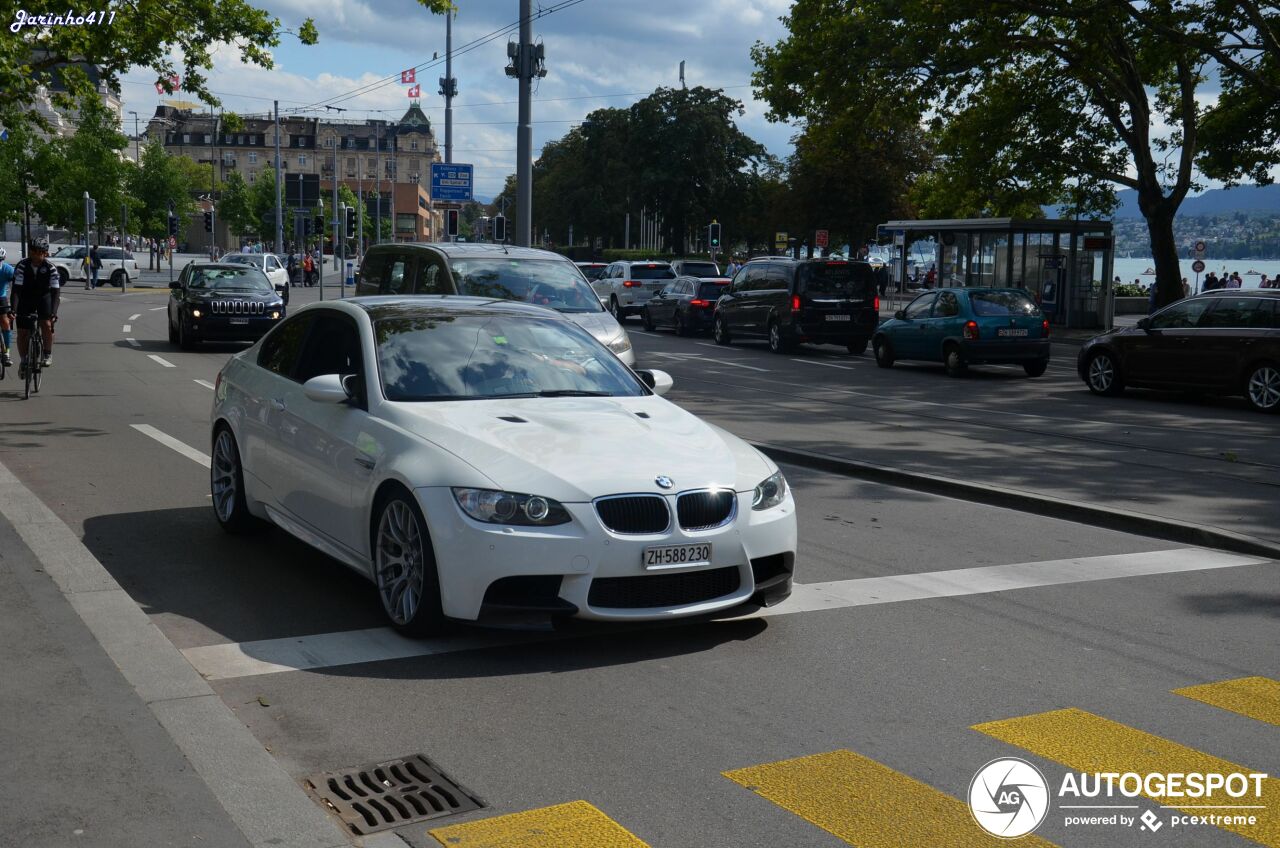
[35,353]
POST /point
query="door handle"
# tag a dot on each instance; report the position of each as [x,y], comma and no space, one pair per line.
[365,462]
[278,403]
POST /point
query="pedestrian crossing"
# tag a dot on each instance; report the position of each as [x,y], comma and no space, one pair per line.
[867,804]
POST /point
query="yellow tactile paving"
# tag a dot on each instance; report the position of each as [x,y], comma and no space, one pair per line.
[573,825]
[1089,743]
[867,804]
[1254,697]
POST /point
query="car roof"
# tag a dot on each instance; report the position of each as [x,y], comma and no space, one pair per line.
[385,306]
[591,264]
[226,266]
[471,249]
[1240,293]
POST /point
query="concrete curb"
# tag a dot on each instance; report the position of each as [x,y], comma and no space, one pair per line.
[263,800]
[1123,520]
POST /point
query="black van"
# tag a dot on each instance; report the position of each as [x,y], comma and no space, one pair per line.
[820,301]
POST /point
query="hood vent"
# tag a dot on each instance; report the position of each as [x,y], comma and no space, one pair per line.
[642,415]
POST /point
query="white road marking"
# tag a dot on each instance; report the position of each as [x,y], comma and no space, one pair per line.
[157,308]
[138,315]
[645,333]
[824,364]
[161,360]
[271,656]
[134,342]
[170,442]
[206,384]
[734,364]
[127,328]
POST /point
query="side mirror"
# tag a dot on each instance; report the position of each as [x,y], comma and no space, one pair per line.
[659,381]
[1144,324]
[327,388]
[900,315]
[175,285]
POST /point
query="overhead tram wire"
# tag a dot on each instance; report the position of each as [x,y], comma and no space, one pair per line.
[394,79]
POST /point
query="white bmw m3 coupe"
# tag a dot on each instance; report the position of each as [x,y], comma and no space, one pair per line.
[479,459]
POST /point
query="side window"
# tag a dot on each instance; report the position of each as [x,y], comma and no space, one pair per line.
[332,347]
[948,306]
[281,349]
[1267,314]
[740,280]
[919,308]
[431,277]
[272,264]
[393,281]
[1232,312]
[1183,314]
[372,271]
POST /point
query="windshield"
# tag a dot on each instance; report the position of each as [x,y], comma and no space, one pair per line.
[65,250]
[986,303]
[546,282]
[712,291]
[837,279]
[430,356]
[592,272]
[701,269]
[652,272]
[230,279]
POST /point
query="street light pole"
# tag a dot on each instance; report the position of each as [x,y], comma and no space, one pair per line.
[279,210]
[526,64]
[137,140]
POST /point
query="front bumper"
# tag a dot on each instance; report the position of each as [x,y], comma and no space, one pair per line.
[995,352]
[471,556]
[219,328]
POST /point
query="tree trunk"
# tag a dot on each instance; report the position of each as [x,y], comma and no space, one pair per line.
[1164,250]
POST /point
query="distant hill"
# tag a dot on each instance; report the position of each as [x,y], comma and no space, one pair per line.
[1217,201]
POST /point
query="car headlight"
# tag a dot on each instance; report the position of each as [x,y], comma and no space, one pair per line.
[621,344]
[494,507]
[770,492]
[195,313]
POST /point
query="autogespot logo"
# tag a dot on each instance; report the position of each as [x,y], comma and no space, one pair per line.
[1009,797]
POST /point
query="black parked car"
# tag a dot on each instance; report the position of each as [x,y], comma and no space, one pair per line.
[686,303]
[1222,342]
[790,301]
[222,302]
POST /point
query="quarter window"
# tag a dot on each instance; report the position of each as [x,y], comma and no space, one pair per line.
[1232,312]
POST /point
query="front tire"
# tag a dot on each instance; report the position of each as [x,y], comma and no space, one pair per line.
[1262,387]
[614,309]
[646,320]
[226,486]
[720,332]
[173,333]
[884,353]
[185,339]
[857,348]
[404,566]
[953,359]
[682,329]
[1037,368]
[1102,375]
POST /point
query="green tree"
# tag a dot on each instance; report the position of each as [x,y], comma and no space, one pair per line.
[19,176]
[1035,100]
[235,205]
[158,182]
[262,194]
[90,160]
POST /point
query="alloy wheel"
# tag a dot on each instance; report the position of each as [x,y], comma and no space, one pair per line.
[1264,388]
[225,474]
[400,562]
[1102,373]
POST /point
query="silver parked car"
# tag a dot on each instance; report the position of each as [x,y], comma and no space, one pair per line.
[625,287]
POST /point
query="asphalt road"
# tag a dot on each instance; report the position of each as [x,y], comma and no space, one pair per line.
[917,621]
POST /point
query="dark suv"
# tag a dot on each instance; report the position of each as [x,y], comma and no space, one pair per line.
[786,301]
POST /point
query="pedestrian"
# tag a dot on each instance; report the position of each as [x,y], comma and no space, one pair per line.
[93,263]
[1210,282]
[1186,289]
[308,269]
[1234,282]
[291,266]
[1151,300]
[1268,284]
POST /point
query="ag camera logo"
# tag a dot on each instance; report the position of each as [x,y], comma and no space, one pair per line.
[1009,797]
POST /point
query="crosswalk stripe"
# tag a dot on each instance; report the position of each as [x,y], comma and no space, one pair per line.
[867,804]
[573,825]
[1090,743]
[1254,697]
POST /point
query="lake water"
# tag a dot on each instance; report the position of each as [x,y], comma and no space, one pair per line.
[1129,270]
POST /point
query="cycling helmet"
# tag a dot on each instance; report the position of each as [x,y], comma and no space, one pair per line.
[41,244]
[2,254]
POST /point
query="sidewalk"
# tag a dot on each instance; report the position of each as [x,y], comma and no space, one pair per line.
[85,759]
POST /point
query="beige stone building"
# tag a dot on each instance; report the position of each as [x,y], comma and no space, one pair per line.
[392,157]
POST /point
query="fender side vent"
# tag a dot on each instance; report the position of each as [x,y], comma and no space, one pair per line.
[642,415]
[391,794]
[514,419]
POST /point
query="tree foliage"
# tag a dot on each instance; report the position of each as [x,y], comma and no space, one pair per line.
[90,160]
[235,205]
[155,184]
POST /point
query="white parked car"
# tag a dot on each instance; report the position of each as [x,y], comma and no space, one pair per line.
[475,457]
[267,263]
[119,268]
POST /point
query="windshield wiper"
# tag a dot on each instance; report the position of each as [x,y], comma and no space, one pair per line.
[571,393]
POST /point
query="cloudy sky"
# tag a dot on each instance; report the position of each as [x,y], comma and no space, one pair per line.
[599,53]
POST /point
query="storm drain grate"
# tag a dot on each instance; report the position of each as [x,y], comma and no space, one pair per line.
[390,794]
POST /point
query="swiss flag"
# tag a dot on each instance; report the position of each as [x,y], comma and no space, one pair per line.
[408,76]
[416,91]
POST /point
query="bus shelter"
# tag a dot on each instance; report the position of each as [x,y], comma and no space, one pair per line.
[1066,265]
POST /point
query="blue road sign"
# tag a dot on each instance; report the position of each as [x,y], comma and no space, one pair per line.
[451,182]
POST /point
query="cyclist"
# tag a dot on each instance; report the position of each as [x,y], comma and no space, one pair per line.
[6,331]
[36,290]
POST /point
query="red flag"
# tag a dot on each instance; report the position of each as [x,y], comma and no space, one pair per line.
[159,87]
[409,76]
[416,91]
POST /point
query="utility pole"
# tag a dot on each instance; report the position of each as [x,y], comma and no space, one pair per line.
[137,140]
[448,87]
[377,174]
[279,188]
[526,65]
[336,267]
[213,181]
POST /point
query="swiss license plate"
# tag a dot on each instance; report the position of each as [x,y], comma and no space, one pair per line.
[1011,331]
[839,318]
[238,321]
[670,556]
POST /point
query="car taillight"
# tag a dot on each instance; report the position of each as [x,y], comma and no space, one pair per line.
[699,302]
[631,284]
[971,329]
[1044,329]
[795,303]
[875,304]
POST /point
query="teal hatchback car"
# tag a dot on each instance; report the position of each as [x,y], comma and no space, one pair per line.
[967,326]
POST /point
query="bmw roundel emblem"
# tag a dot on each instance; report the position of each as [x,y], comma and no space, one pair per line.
[663,482]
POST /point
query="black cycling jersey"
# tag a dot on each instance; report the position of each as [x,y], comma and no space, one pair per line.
[34,282]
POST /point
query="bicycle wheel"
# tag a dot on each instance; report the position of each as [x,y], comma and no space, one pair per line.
[33,362]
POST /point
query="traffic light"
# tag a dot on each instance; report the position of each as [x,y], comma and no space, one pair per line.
[208,222]
[349,221]
[173,223]
[451,223]
[713,235]
[308,226]
[500,228]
